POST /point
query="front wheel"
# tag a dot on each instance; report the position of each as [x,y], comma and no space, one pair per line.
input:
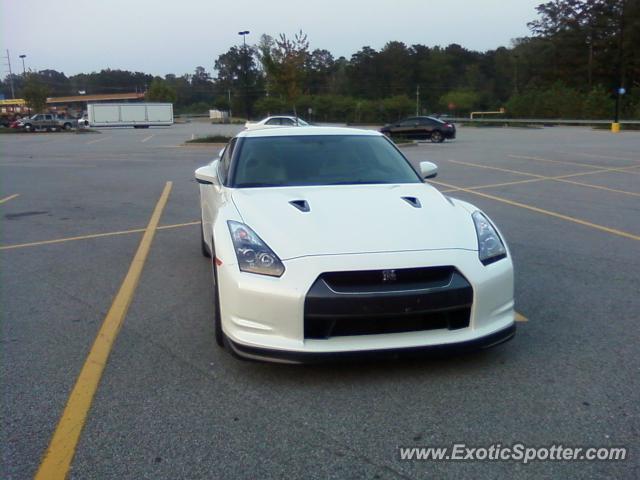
[67,126]
[437,137]
[203,245]
[217,321]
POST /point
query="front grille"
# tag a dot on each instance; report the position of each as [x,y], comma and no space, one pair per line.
[387,301]
[398,279]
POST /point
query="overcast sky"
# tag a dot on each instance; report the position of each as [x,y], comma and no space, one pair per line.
[160,36]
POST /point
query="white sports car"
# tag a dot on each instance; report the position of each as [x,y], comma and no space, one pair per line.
[276,121]
[326,243]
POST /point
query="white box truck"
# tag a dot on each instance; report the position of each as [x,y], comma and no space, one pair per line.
[137,115]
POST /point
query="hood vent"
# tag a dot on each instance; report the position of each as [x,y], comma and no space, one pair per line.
[413,201]
[301,205]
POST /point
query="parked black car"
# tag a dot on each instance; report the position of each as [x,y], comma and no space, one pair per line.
[421,128]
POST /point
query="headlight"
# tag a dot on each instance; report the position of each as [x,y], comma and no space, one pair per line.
[253,254]
[490,246]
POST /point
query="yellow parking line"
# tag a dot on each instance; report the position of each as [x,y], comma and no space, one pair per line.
[91,142]
[90,236]
[521,318]
[493,185]
[178,225]
[599,187]
[602,167]
[563,162]
[57,459]
[10,197]
[532,180]
[45,165]
[561,178]
[69,239]
[607,156]
[613,231]
[147,138]
[489,167]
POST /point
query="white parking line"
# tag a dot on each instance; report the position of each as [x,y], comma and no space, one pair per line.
[607,156]
[96,140]
[10,197]
[147,138]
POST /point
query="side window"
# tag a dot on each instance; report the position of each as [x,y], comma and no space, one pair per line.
[48,117]
[409,122]
[274,121]
[225,161]
[287,121]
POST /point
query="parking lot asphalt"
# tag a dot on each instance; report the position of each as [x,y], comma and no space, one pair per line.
[171,404]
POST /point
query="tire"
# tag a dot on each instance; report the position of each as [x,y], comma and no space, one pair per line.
[217,324]
[203,244]
[437,137]
[67,126]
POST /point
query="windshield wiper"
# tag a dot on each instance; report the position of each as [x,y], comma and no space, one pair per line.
[357,182]
[257,184]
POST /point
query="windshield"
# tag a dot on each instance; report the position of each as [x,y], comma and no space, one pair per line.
[319,160]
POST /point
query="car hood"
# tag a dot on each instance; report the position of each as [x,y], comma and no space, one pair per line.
[349,219]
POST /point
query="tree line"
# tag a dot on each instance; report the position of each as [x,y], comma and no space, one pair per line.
[579,53]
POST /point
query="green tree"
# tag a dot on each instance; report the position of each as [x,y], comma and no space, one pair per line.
[598,104]
[283,60]
[397,107]
[160,91]
[460,100]
[270,106]
[35,93]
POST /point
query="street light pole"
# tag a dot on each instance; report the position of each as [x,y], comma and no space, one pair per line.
[24,72]
[13,95]
[244,34]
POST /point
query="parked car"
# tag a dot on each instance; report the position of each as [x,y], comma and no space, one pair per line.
[277,121]
[67,122]
[326,243]
[83,121]
[47,121]
[421,128]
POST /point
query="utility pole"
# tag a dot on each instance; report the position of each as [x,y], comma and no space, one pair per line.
[8,57]
[417,100]
[245,69]
[229,99]
[590,65]
[615,126]
[515,73]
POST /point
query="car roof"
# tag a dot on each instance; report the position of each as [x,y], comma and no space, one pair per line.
[301,131]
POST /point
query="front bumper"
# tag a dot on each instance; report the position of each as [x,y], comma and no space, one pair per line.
[288,356]
[264,317]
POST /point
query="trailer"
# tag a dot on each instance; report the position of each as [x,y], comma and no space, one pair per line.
[137,115]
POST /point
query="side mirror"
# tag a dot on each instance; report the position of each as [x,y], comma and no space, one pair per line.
[428,169]
[208,175]
[221,152]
